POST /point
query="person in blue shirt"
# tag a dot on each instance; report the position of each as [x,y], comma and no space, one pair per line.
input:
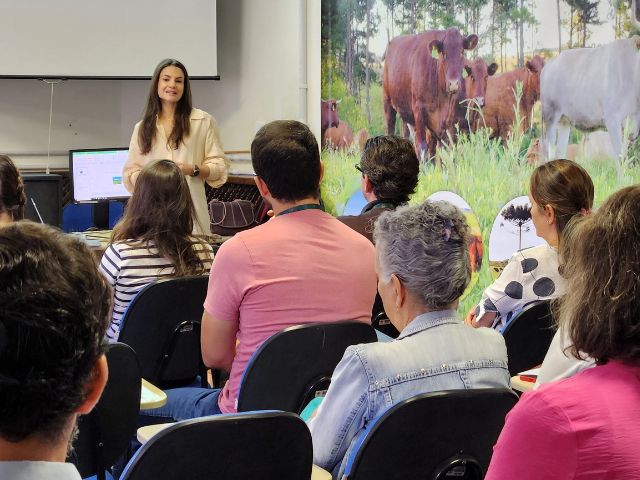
[423,266]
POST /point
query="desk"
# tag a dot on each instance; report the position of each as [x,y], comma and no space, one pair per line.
[521,385]
[145,433]
[151,396]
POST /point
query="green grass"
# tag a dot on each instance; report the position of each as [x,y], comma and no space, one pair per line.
[481,171]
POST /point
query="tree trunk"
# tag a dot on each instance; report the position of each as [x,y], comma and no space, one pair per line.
[521,39]
[520,238]
[367,77]
[559,27]
[571,28]
[348,70]
[493,31]
[516,32]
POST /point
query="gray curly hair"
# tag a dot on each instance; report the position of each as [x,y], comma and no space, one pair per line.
[426,247]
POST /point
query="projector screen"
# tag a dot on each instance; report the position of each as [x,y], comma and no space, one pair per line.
[106,38]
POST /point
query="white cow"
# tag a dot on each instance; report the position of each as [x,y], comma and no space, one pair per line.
[591,88]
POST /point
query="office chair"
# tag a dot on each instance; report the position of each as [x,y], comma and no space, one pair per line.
[233,446]
[162,324]
[433,436]
[105,433]
[528,336]
[290,367]
[380,321]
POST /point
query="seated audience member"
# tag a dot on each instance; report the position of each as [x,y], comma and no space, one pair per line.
[559,363]
[558,191]
[588,426]
[302,266]
[153,240]
[54,310]
[389,168]
[423,266]
[12,196]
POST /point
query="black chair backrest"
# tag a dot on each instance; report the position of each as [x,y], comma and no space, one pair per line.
[244,445]
[528,336]
[162,324]
[381,322]
[291,366]
[433,436]
[105,433]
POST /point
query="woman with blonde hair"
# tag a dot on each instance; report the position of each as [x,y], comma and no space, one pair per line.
[154,238]
[588,426]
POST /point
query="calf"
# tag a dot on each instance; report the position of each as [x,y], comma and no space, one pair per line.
[328,115]
[338,138]
[499,112]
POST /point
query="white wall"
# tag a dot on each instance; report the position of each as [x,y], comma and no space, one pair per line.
[259,55]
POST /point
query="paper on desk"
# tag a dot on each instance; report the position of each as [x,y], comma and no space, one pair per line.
[533,372]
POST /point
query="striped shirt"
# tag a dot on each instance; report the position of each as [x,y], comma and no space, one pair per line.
[130,265]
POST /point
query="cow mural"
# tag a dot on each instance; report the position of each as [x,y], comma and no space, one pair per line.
[421,79]
[338,138]
[498,112]
[328,115]
[591,88]
[472,96]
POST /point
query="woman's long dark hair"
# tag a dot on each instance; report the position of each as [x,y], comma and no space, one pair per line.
[161,211]
[12,196]
[147,131]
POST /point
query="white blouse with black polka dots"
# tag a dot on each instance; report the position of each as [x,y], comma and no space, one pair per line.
[531,274]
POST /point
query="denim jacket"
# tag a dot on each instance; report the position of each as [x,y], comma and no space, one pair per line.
[436,351]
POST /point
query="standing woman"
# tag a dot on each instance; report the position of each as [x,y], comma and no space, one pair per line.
[171,128]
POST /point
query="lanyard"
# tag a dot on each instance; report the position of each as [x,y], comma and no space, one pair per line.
[298,208]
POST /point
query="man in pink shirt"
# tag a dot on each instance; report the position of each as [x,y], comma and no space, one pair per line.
[302,266]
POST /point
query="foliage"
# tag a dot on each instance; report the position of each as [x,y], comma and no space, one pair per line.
[481,171]
[519,216]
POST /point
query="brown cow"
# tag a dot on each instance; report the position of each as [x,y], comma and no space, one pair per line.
[498,112]
[338,138]
[360,138]
[423,89]
[475,88]
[328,115]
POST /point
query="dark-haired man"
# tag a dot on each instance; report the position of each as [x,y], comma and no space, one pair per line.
[389,168]
[302,266]
[54,310]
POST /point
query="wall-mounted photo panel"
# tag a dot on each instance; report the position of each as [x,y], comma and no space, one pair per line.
[512,230]
[475,247]
[379,78]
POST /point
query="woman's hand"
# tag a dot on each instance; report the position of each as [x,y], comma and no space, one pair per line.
[471,316]
[186,168]
[485,320]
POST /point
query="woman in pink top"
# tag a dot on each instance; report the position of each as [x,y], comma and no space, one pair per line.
[588,426]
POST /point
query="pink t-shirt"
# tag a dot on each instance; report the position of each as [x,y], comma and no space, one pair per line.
[302,267]
[584,427]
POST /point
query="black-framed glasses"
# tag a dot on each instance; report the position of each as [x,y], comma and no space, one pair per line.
[359,168]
